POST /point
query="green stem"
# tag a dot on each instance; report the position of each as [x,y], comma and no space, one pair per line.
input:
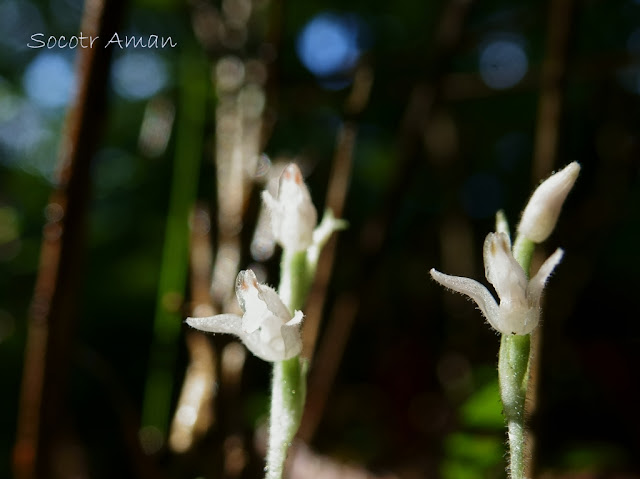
[513,374]
[295,279]
[287,402]
[175,259]
[288,387]
[523,252]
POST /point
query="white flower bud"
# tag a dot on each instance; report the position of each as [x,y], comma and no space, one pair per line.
[293,216]
[266,328]
[541,213]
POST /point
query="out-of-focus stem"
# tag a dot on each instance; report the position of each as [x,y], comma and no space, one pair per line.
[50,336]
[173,274]
[197,396]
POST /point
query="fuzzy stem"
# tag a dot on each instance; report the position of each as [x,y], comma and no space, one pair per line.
[288,388]
[523,252]
[513,373]
[287,402]
[295,279]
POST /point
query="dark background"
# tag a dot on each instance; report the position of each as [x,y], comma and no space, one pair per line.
[470,105]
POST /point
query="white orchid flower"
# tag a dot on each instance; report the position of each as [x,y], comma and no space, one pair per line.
[519,308]
[266,328]
[293,216]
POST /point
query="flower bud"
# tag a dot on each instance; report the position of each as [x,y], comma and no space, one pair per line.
[541,213]
[293,216]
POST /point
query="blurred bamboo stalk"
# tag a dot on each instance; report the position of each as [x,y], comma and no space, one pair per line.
[336,195]
[241,99]
[545,156]
[175,259]
[194,413]
[553,74]
[50,337]
[238,83]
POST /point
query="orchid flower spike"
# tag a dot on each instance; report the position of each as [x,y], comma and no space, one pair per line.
[519,308]
[540,216]
[266,328]
[293,216]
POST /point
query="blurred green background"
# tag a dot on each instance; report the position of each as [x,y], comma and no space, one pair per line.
[456,109]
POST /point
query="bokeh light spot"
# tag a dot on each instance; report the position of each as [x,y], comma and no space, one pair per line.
[49,80]
[503,63]
[137,76]
[329,44]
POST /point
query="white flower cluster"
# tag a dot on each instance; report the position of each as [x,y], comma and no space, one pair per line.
[267,327]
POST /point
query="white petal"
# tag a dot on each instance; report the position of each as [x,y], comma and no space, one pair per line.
[537,283]
[518,319]
[540,216]
[222,323]
[322,233]
[291,336]
[248,294]
[286,344]
[274,303]
[275,211]
[476,291]
[258,347]
[269,201]
[503,271]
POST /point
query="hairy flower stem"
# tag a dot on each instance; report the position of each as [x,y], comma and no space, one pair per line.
[288,388]
[513,374]
[295,279]
[523,252]
[287,402]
